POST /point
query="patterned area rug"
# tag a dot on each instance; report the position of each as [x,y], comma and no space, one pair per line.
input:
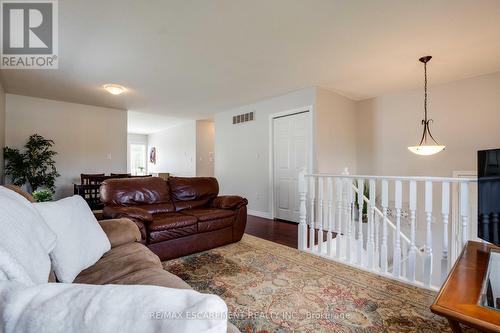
[273,288]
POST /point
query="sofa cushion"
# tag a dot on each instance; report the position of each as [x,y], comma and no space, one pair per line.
[211,219]
[171,225]
[164,235]
[210,225]
[132,212]
[158,208]
[171,221]
[120,231]
[119,262]
[134,191]
[155,276]
[190,204]
[25,240]
[208,214]
[81,242]
[198,191]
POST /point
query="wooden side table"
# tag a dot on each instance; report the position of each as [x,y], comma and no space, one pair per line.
[458,298]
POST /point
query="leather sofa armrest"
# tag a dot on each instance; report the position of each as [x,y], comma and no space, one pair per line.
[135,213]
[120,231]
[229,202]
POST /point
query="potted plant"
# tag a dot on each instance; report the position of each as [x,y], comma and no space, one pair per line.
[34,166]
[43,195]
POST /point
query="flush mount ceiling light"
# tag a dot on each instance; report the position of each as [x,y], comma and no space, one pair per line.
[114,89]
[428,145]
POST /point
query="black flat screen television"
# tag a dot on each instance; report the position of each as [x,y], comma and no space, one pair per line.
[488,172]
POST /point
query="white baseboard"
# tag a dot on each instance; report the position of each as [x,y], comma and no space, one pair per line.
[257,213]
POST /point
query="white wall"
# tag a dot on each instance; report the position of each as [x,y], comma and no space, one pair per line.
[466,117]
[205,141]
[175,150]
[2,130]
[88,139]
[335,132]
[242,163]
[242,150]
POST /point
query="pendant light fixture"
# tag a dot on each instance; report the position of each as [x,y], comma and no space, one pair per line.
[428,145]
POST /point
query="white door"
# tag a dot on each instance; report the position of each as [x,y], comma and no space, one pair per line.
[291,147]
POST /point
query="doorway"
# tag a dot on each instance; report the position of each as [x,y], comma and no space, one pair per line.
[138,158]
[291,146]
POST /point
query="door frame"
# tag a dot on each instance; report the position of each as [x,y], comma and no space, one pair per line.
[311,162]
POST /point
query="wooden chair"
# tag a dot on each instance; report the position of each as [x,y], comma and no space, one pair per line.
[88,178]
[89,189]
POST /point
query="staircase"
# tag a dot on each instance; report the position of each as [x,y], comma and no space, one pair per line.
[421,256]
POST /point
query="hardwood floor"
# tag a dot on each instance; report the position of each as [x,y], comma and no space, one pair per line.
[278,231]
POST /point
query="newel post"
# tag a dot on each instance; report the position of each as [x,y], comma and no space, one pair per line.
[302,210]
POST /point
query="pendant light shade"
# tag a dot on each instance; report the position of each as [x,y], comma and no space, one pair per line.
[426,150]
[428,145]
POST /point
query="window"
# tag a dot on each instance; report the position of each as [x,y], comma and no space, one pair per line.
[138,159]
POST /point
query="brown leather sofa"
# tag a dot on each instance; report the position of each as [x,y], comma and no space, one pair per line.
[176,217]
[128,262]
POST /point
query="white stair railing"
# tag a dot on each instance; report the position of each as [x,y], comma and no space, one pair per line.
[328,204]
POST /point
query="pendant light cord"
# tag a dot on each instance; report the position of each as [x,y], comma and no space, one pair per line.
[425,91]
[426,122]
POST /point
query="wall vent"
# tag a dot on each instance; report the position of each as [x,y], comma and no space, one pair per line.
[243,118]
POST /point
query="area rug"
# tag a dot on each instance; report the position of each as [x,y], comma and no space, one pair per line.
[273,288]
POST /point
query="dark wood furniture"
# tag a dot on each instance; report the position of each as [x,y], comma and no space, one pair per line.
[458,299]
[90,184]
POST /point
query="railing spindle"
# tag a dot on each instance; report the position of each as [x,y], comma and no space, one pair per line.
[398,196]
[350,210]
[338,224]
[383,248]
[428,234]
[413,248]
[404,254]
[312,190]
[371,226]
[464,211]
[445,210]
[330,221]
[359,243]
[320,214]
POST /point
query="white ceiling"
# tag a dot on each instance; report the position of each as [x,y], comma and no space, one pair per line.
[190,59]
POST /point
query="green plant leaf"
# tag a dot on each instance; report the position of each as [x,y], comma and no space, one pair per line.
[34,165]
